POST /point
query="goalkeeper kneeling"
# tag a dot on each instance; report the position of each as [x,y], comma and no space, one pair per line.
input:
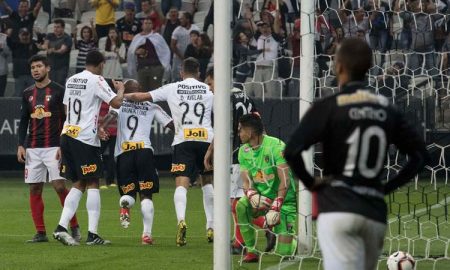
[269,188]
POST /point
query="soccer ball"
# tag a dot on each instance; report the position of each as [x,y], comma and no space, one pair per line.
[401,261]
[126,201]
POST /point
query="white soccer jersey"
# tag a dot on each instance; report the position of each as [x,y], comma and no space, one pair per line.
[134,124]
[84,94]
[191,104]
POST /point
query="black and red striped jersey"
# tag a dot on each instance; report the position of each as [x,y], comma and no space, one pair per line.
[42,114]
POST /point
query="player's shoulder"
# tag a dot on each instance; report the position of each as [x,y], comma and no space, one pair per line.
[56,86]
[360,96]
[273,141]
[245,149]
[29,90]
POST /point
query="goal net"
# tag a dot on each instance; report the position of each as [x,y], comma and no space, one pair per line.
[411,44]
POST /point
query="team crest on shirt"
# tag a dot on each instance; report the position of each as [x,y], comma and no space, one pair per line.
[266,159]
[39,112]
[262,177]
[30,98]
[48,97]
[85,169]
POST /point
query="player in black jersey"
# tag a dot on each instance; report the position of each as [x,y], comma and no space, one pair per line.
[42,114]
[241,105]
[355,128]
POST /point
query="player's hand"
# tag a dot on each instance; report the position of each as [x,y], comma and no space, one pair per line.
[208,161]
[118,85]
[21,153]
[258,202]
[58,154]
[102,134]
[272,218]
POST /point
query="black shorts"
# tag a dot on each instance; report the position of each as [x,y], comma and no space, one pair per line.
[79,160]
[136,172]
[187,159]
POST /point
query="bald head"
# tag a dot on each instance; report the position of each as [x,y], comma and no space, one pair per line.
[132,86]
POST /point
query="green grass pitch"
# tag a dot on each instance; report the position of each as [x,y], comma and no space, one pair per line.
[126,251]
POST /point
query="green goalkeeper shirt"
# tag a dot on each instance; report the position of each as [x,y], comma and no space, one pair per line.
[261,165]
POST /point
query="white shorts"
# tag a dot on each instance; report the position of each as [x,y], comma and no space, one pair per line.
[349,241]
[236,183]
[38,162]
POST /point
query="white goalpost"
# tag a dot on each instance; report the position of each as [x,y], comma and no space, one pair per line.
[306,97]
[222,131]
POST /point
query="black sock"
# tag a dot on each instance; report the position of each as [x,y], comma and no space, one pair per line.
[60,229]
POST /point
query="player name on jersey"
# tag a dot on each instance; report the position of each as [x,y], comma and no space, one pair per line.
[138,108]
[134,125]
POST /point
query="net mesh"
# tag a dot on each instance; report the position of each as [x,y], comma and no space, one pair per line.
[411,43]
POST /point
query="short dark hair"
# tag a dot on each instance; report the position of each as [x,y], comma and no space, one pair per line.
[195,32]
[191,65]
[60,21]
[252,121]
[94,58]
[188,16]
[358,66]
[38,58]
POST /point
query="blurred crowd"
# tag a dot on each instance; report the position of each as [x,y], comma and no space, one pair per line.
[148,39]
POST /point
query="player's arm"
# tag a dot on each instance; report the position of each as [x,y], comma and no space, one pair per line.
[23,127]
[139,97]
[310,131]
[409,142]
[111,116]
[209,157]
[163,118]
[116,102]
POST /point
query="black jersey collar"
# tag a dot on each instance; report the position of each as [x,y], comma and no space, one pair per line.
[353,86]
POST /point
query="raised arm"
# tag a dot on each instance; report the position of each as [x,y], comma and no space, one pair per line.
[116,102]
[139,97]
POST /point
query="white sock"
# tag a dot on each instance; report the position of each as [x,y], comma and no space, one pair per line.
[70,206]
[147,211]
[180,200]
[93,209]
[208,205]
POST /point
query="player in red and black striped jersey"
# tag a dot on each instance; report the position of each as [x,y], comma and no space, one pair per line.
[42,115]
[355,128]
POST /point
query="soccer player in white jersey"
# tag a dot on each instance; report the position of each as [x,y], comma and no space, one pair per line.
[80,145]
[136,172]
[190,102]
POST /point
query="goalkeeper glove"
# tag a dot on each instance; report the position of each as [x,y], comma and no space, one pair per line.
[258,201]
[273,215]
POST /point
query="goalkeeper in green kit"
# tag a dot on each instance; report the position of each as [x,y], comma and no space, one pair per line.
[269,188]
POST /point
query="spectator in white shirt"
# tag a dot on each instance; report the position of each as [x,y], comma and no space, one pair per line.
[266,68]
[180,40]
